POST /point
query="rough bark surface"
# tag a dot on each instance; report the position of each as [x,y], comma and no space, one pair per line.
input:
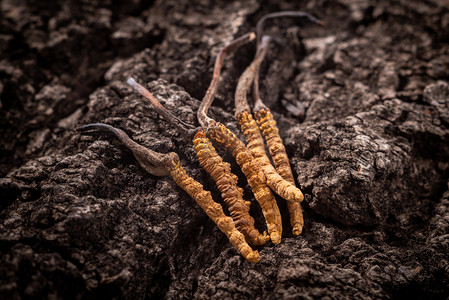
[362,105]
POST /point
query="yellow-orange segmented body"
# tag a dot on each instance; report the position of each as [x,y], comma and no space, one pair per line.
[213,210]
[269,129]
[227,184]
[253,172]
[255,143]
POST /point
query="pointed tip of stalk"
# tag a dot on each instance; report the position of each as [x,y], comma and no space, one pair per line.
[82,128]
[94,126]
[132,82]
[252,36]
[321,23]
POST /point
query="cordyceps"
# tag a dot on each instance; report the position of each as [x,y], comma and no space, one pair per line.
[252,160]
[168,164]
[268,127]
[249,165]
[227,184]
[284,188]
[212,162]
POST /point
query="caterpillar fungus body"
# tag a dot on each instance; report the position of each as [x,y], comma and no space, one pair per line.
[254,174]
[254,140]
[284,188]
[255,143]
[227,184]
[275,145]
[281,185]
[269,129]
[213,210]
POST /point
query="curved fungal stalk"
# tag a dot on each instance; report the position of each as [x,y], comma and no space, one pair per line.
[268,125]
[254,139]
[203,119]
[219,171]
[250,167]
[186,129]
[247,77]
[150,161]
[258,104]
[163,164]
[279,184]
[283,14]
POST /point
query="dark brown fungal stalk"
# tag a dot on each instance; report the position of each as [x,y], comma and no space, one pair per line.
[283,14]
[168,164]
[186,129]
[208,98]
[258,104]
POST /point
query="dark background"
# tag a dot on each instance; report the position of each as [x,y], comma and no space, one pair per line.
[368,143]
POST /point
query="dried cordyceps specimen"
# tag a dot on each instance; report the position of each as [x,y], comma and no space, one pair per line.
[254,174]
[282,186]
[227,184]
[168,164]
[252,159]
[214,165]
[274,180]
[254,139]
[265,119]
[250,167]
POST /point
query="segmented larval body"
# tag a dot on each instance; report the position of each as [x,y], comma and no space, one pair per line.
[269,129]
[255,143]
[254,174]
[227,184]
[213,210]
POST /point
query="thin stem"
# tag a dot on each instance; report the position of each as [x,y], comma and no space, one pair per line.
[186,129]
[281,14]
[212,90]
[258,104]
[247,77]
[153,162]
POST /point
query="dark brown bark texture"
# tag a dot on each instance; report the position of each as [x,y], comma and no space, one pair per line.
[362,105]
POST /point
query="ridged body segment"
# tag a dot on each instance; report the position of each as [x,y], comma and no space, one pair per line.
[227,184]
[254,174]
[255,143]
[213,210]
[269,129]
